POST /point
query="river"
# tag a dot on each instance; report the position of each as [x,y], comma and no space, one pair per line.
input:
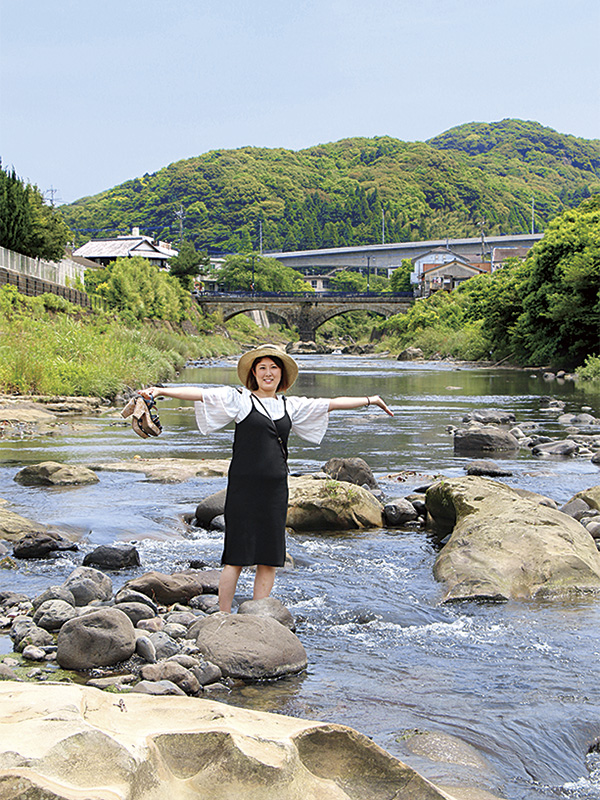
[519,681]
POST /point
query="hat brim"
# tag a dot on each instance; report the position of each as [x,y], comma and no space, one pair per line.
[245,363]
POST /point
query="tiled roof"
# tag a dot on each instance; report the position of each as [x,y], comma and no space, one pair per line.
[123,247]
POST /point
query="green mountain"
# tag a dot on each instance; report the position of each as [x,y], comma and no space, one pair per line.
[473,176]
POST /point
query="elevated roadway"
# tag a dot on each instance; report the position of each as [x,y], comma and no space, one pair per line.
[389,256]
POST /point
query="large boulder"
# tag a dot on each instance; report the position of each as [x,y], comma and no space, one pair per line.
[99,639]
[52,614]
[563,448]
[479,438]
[352,470]
[87,585]
[25,632]
[52,473]
[53,593]
[14,527]
[171,671]
[321,505]
[507,544]
[398,511]
[210,507]
[487,468]
[109,557]
[42,544]
[178,587]
[136,611]
[250,647]
[69,741]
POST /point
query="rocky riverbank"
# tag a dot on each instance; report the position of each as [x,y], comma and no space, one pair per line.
[76,741]
[161,633]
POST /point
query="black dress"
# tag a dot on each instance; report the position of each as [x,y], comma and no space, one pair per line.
[257,491]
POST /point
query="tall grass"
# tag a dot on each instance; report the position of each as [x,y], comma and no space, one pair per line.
[63,350]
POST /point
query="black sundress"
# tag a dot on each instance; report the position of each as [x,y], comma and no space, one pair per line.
[257,491]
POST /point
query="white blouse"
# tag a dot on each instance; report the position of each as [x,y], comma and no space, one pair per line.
[309,415]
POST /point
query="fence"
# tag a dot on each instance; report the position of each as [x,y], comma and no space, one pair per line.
[32,287]
[64,273]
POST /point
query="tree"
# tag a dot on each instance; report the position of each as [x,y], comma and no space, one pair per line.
[187,264]
[400,278]
[269,275]
[28,224]
[346,281]
[139,290]
[560,322]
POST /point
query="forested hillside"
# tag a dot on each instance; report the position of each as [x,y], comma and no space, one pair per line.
[339,193]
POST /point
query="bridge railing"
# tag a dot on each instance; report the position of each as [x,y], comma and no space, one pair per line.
[314,296]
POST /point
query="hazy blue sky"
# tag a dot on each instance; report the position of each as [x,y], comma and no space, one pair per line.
[94,93]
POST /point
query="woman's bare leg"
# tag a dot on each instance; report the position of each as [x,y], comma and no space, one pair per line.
[263,581]
[227,583]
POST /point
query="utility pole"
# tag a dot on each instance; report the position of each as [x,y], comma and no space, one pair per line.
[481,224]
[532,214]
[260,236]
[180,215]
[368,273]
[382,226]
[52,192]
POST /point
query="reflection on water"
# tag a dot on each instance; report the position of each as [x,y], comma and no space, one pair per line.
[518,681]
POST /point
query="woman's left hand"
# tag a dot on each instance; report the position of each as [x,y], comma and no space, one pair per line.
[375,400]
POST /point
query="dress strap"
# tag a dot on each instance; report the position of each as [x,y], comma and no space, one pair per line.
[279,439]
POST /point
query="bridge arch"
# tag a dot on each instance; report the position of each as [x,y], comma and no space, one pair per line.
[306,312]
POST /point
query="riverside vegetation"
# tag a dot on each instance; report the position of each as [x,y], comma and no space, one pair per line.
[51,347]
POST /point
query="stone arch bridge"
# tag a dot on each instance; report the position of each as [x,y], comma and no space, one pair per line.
[306,311]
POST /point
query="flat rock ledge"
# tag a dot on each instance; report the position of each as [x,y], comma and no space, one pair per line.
[508,544]
[58,742]
[168,470]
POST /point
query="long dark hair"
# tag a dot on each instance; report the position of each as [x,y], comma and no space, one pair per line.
[251,382]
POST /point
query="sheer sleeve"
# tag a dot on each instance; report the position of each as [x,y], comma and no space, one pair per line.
[310,416]
[220,406]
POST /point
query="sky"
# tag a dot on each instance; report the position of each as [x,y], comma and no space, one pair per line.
[97,92]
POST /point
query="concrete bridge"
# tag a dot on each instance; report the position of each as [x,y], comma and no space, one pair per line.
[384,258]
[304,310]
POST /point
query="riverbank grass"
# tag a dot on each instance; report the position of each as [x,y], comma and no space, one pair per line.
[49,346]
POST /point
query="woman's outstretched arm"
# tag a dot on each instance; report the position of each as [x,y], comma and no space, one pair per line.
[346,403]
[178,392]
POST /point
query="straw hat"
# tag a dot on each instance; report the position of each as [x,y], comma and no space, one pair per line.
[245,363]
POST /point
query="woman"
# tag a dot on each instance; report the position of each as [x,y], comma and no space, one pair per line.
[257,491]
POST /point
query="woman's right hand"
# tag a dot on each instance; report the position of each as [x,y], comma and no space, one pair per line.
[150,392]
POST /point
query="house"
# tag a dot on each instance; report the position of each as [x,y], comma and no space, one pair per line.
[447,276]
[501,254]
[103,251]
[432,259]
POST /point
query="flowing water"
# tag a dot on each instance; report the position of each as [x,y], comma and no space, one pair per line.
[519,682]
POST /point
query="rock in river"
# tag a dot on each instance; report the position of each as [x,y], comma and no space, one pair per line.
[52,473]
[179,587]
[331,505]
[99,639]
[69,741]
[483,438]
[505,544]
[352,470]
[249,647]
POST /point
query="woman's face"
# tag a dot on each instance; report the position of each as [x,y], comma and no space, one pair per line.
[267,374]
